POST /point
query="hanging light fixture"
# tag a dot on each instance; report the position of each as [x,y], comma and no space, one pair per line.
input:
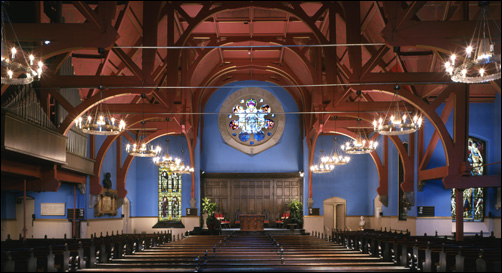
[322,166]
[18,67]
[361,145]
[184,169]
[479,64]
[336,157]
[397,120]
[172,164]
[99,121]
[140,148]
[167,161]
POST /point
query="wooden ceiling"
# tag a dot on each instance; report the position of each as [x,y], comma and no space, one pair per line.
[93,35]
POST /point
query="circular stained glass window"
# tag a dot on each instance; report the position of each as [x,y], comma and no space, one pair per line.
[251,120]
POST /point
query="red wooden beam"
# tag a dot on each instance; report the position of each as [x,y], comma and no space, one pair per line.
[130,64]
[89,14]
[383,185]
[353,33]
[420,145]
[430,174]
[61,100]
[435,136]
[430,34]
[151,14]
[71,177]
[92,147]
[460,137]
[57,81]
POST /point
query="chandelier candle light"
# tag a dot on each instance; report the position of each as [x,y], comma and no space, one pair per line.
[336,158]
[395,121]
[480,64]
[100,122]
[361,145]
[140,148]
[323,166]
[172,164]
[18,68]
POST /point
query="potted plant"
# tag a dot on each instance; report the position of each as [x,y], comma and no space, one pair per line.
[296,213]
[208,209]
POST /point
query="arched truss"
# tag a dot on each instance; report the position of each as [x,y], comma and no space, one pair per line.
[96,38]
[94,181]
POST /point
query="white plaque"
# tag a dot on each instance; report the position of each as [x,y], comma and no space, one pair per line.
[52,209]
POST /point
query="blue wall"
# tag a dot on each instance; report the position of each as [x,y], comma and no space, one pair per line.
[143,181]
[484,123]
[357,181]
[350,181]
[218,157]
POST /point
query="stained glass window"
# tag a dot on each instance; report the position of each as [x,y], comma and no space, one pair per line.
[473,197]
[251,120]
[169,196]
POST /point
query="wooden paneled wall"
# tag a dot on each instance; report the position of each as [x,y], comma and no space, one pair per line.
[252,193]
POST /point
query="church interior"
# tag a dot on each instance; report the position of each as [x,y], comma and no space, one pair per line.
[331,123]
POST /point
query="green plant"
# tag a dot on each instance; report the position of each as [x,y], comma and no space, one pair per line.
[209,208]
[296,212]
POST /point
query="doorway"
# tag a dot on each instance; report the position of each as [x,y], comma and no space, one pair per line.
[339,216]
[30,212]
[334,214]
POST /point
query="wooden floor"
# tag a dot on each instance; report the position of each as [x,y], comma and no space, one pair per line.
[248,252]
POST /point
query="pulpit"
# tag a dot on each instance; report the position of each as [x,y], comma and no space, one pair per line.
[251,222]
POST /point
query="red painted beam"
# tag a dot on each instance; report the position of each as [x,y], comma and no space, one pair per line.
[57,81]
[89,14]
[435,137]
[460,135]
[70,177]
[420,145]
[431,34]
[430,174]
[134,108]
[383,185]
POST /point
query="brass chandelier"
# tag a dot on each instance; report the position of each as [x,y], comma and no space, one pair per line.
[336,158]
[322,166]
[360,145]
[18,67]
[479,64]
[140,148]
[99,121]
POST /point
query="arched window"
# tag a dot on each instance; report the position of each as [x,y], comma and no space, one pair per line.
[169,196]
[473,197]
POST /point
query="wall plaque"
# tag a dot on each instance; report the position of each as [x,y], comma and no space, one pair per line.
[52,209]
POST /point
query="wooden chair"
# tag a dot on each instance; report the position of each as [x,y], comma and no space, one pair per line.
[266,222]
[224,222]
[237,220]
[280,222]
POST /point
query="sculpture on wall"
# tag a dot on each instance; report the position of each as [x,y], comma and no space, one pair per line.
[362,223]
[107,199]
[107,182]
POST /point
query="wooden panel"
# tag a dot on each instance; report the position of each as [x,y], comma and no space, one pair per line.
[252,195]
